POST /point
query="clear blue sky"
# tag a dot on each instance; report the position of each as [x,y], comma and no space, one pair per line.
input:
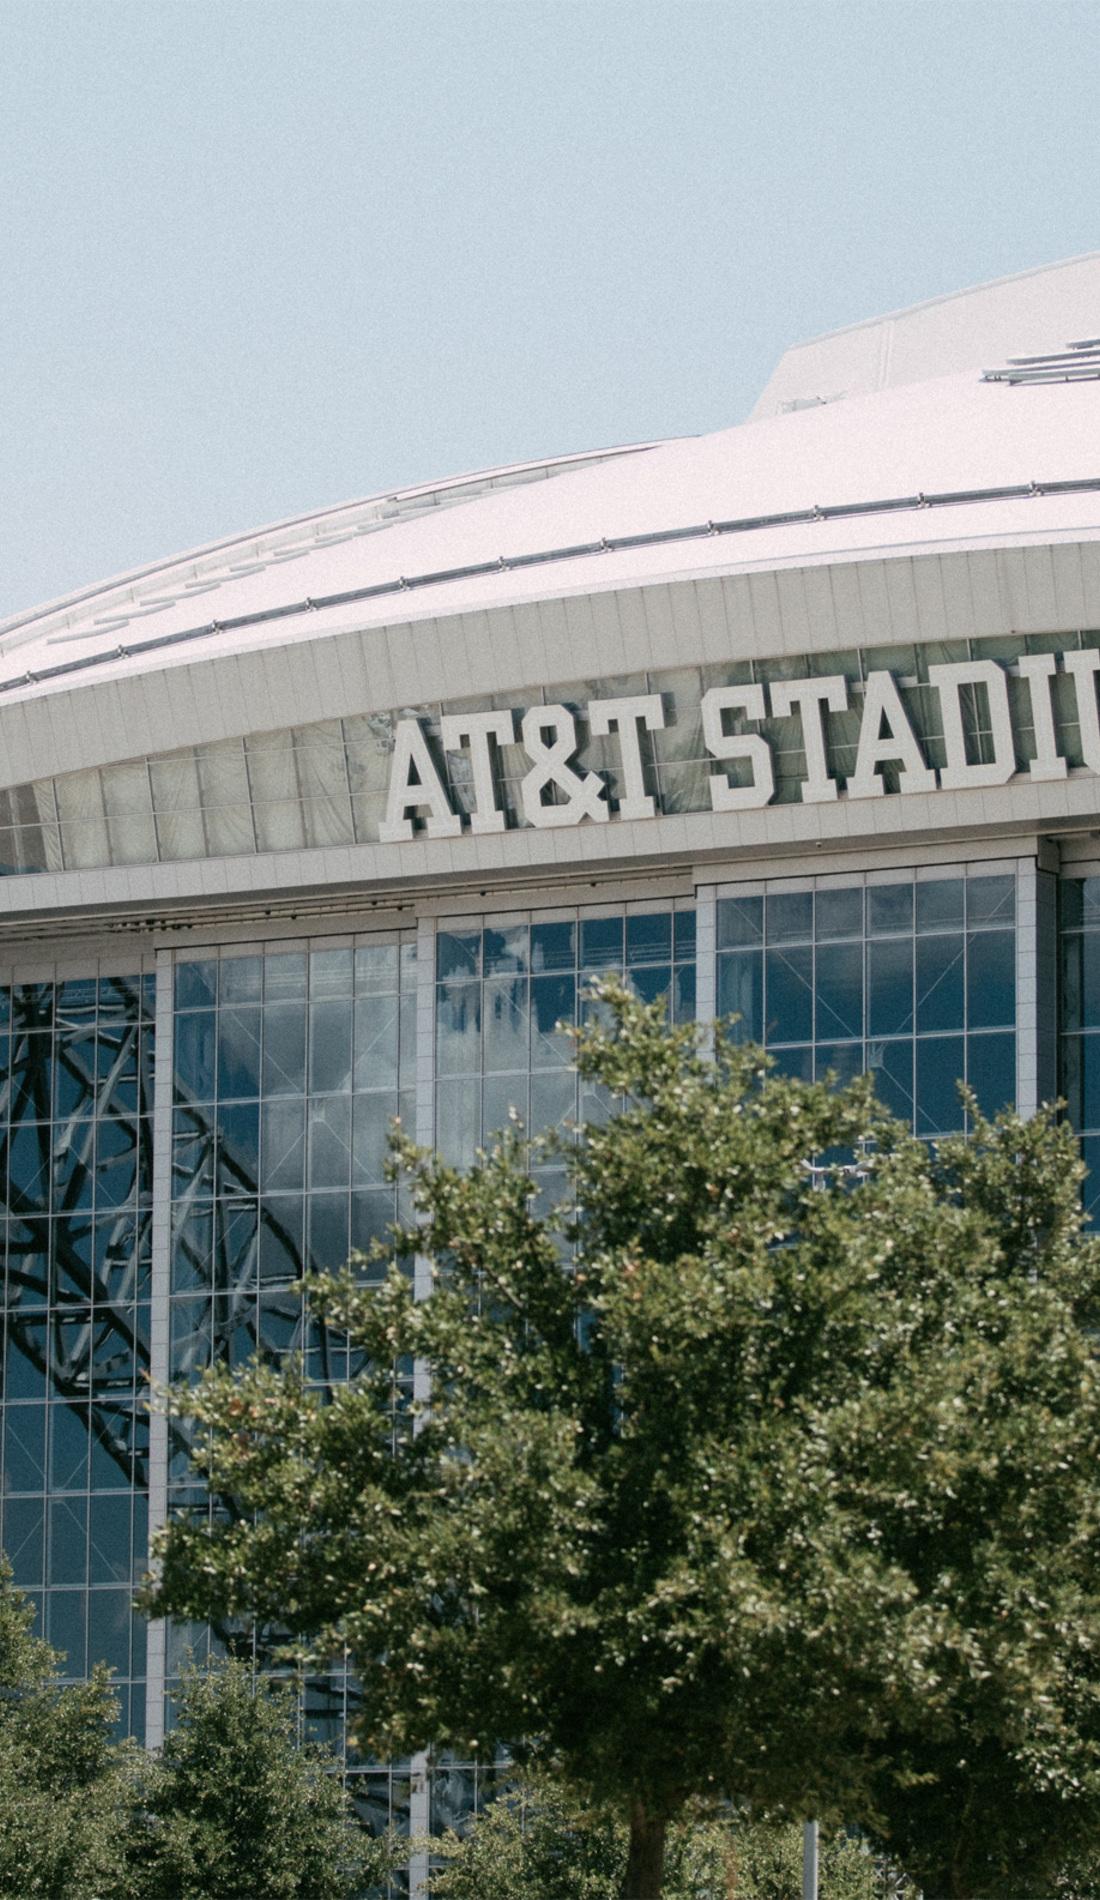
[261,255]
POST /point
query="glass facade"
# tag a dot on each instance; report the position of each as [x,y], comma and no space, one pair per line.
[910,977]
[280,1069]
[1079,990]
[76,1084]
[325,783]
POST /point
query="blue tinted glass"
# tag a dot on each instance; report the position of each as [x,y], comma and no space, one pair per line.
[196,984]
[790,916]
[373,1127]
[23,1540]
[1081,980]
[839,984]
[740,921]
[991,1071]
[685,934]
[458,1027]
[683,1000]
[991,979]
[330,1054]
[238,1053]
[553,946]
[891,1065]
[506,950]
[68,1546]
[648,937]
[890,987]
[109,1629]
[239,1148]
[940,1067]
[797,1062]
[194,1056]
[458,953]
[506,1023]
[330,1142]
[25,1448]
[940,970]
[889,909]
[1081,1080]
[1090,1192]
[553,1000]
[76,999]
[241,979]
[283,1144]
[284,1057]
[839,913]
[601,943]
[652,981]
[789,994]
[282,1219]
[65,1628]
[741,993]
[991,900]
[69,1427]
[940,904]
[1080,901]
[839,1062]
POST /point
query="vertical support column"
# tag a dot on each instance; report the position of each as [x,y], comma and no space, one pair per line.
[160,1278]
[420,1791]
[1036,988]
[706,963]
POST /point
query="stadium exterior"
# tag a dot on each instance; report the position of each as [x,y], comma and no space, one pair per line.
[332,821]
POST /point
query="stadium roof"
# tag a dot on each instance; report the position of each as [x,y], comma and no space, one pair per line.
[869,452]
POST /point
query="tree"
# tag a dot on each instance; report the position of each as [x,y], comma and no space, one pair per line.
[763,1476]
[63,1785]
[538,1843]
[237,1809]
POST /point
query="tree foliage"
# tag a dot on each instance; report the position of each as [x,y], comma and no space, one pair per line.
[232,1806]
[539,1843]
[235,1808]
[782,1486]
[63,1786]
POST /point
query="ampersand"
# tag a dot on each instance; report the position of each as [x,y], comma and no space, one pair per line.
[584,793]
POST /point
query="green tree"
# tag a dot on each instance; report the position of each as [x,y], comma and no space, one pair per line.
[540,1843]
[782,1487]
[235,1808]
[63,1785]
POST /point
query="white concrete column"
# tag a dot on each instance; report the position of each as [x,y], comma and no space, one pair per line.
[160,1286]
[706,963]
[1036,987]
[420,1791]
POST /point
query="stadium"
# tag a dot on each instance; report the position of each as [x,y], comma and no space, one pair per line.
[330,822]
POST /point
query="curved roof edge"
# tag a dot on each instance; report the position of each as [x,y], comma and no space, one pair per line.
[1043,308]
[297,534]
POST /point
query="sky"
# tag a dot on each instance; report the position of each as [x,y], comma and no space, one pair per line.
[262,256]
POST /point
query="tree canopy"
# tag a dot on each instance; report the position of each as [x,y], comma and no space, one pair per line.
[767,1469]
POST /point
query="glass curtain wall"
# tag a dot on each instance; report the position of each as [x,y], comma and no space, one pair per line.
[76,1095]
[289,1068]
[908,977]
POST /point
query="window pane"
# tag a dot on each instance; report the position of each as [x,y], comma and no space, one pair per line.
[741,993]
[940,967]
[991,1071]
[789,995]
[940,1068]
[839,990]
[940,904]
[790,916]
[889,909]
[991,979]
[838,913]
[740,921]
[890,985]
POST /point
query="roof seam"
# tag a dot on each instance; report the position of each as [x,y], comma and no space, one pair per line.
[545,557]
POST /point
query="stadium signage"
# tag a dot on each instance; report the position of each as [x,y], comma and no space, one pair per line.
[557,790]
